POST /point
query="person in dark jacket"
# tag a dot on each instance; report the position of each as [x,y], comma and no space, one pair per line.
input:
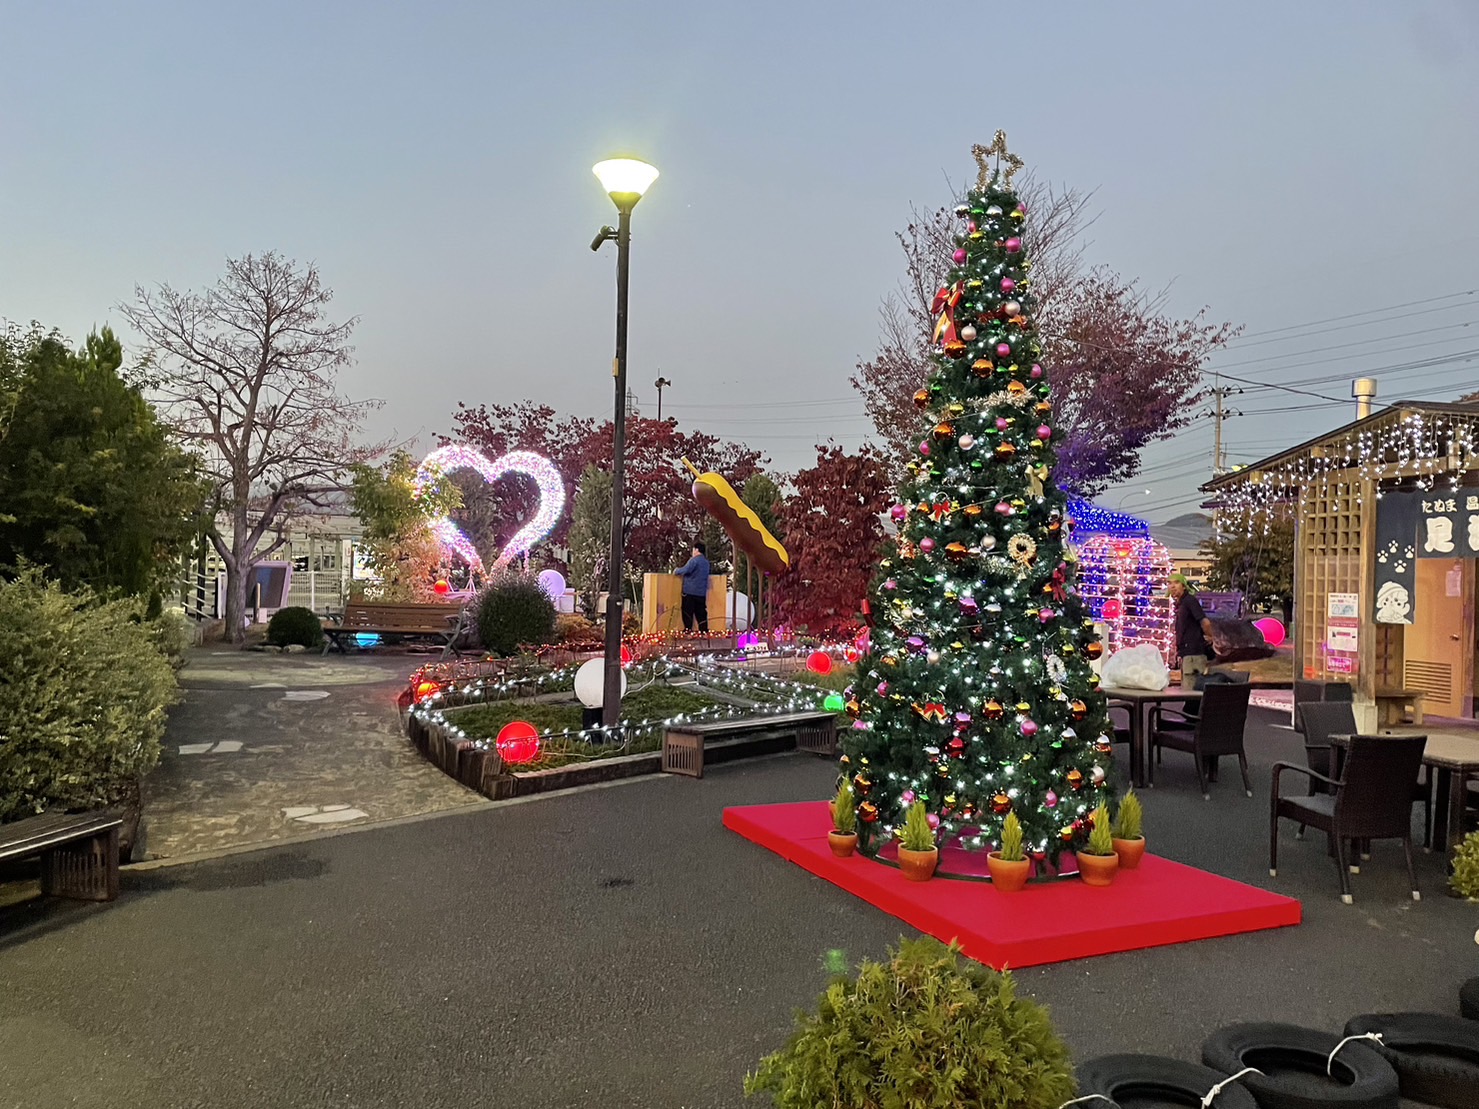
[695,575]
[1192,629]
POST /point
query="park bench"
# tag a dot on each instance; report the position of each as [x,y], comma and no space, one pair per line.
[683,744]
[442,623]
[79,852]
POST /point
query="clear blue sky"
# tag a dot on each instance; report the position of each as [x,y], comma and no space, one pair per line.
[1281,163]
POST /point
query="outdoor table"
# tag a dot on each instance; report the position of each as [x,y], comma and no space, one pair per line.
[1454,759]
[1137,700]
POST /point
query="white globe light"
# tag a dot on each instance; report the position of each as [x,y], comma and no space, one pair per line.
[590,683]
[738,605]
[553,583]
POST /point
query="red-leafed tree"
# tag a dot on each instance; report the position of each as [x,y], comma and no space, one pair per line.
[1124,374]
[832,526]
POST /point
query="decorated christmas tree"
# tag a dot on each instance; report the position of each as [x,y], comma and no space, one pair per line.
[976,695]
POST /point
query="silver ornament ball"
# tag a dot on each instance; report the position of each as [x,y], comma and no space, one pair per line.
[968,333]
[1013,307]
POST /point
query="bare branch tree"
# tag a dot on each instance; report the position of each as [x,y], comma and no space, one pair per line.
[246,374]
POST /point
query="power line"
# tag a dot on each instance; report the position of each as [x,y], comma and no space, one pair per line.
[1242,340]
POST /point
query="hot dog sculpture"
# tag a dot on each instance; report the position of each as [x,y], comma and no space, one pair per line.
[738,519]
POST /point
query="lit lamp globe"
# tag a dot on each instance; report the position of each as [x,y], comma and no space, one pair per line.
[626,179]
[590,683]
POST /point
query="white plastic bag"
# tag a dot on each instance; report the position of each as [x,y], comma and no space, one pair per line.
[1138,667]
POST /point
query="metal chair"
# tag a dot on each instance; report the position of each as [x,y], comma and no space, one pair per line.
[1217,732]
[1315,692]
[1319,721]
[1371,800]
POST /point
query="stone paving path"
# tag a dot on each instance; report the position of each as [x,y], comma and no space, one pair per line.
[268,747]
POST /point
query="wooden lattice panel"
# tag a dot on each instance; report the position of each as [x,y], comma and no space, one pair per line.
[1327,560]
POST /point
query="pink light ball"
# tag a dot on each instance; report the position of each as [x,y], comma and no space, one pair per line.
[1013,245]
[898,512]
[1029,727]
[959,255]
[1003,350]
[926,544]
[1044,432]
[1007,284]
[1272,630]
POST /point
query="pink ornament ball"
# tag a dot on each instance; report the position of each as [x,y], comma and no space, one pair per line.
[1003,350]
[1013,245]
[926,544]
[1003,509]
[898,512]
[1036,371]
[1001,423]
[1051,800]
[1046,614]
[907,797]
[882,689]
[959,256]
[934,822]
[1029,727]
[971,226]
[1044,432]
[924,448]
[891,584]
[1007,284]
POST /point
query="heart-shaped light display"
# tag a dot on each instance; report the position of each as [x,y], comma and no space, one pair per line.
[446,460]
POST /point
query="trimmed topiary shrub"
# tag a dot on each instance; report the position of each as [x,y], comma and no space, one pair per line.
[514,611]
[84,692]
[295,625]
[928,1030]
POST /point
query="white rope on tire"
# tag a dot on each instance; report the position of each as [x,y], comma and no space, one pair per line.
[1088,1097]
[1330,1062]
[1217,1089]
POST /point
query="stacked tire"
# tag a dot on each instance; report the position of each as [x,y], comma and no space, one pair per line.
[1436,1057]
[1297,1069]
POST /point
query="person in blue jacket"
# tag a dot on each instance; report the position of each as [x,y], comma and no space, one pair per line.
[695,575]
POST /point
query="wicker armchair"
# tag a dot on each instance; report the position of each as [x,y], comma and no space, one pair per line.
[1218,731]
[1372,800]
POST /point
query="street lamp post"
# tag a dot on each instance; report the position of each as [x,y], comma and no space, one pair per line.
[625,179]
[661,383]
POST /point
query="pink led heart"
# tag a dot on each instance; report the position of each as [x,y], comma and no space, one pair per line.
[446,460]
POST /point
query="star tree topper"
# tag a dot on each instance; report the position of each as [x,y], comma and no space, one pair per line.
[983,154]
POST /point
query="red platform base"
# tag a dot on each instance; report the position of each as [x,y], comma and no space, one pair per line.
[1158,903]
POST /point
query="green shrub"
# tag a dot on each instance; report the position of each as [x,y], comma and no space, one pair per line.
[844,811]
[295,625]
[1101,837]
[174,634]
[926,1030]
[515,611]
[1130,819]
[1464,880]
[84,692]
[917,835]
[1011,840]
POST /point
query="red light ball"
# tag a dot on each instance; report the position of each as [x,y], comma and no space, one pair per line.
[819,663]
[626,655]
[1113,609]
[442,588]
[518,742]
[426,689]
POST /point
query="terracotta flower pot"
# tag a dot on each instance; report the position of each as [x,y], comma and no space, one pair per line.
[1009,877]
[1129,851]
[918,866]
[842,844]
[1097,870]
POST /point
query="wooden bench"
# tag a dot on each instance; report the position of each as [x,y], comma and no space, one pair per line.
[79,852]
[683,744]
[1398,706]
[414,621]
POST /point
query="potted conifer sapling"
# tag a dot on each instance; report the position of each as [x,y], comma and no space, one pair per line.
[1009,866]
[918,854]
[1129,837]
[1097,862]
[843,838]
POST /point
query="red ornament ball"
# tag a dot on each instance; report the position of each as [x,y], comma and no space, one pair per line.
[819,662]
[1001,804]
[518,742]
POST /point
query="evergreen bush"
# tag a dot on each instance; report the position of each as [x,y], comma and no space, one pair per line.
[1101,838]
[844,809]
[1011,840]
[84,692]
[514,611]
[1129,820]
[295,625]
[1464,880]
[918,835]
[926,1030]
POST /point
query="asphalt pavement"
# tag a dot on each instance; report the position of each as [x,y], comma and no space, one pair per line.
[617,947]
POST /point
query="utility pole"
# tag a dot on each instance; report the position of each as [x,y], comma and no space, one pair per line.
[1220,413]
[661,383]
